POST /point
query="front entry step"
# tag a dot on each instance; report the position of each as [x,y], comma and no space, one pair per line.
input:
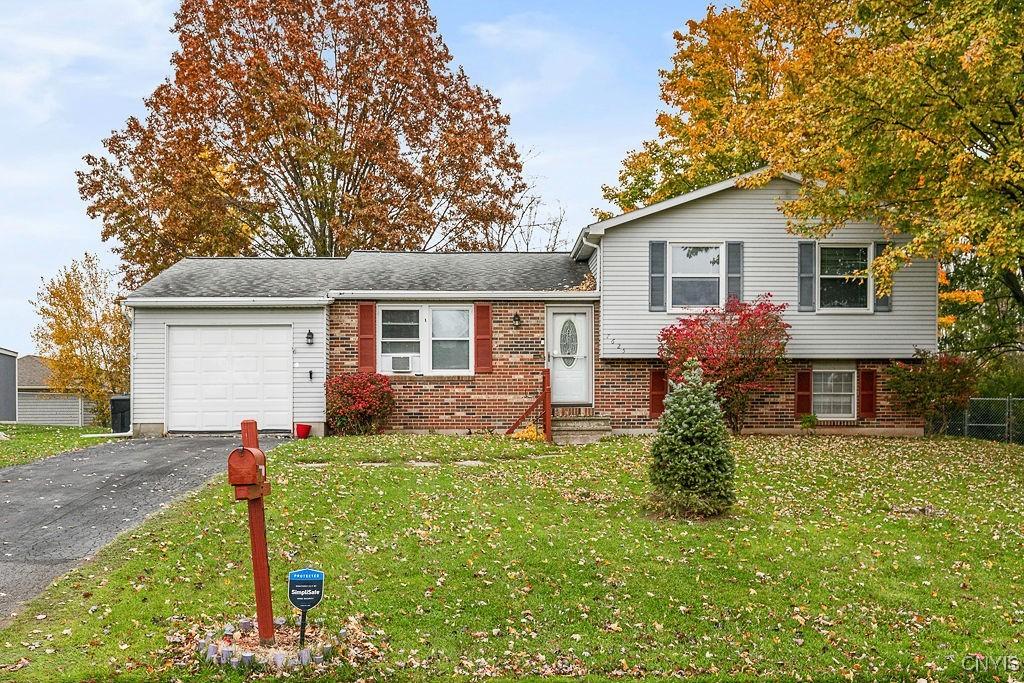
[580,429]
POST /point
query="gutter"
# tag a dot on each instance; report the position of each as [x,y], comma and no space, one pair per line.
[225,302]
[429,295]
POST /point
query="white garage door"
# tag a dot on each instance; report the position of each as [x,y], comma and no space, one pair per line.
[218,376]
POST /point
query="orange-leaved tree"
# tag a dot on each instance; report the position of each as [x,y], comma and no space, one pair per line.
[311,128]
[723,63]
[908,114]
[83,334]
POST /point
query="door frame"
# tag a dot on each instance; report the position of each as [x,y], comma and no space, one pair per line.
[588,310]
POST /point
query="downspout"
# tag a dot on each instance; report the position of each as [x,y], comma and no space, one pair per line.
[600,260]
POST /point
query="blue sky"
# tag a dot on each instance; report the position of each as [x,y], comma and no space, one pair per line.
[579,79]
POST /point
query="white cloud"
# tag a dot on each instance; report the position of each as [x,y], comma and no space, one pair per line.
[540,59]
[49,45]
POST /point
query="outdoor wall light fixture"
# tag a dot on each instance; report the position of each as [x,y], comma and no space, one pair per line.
[517,322]
[309,337]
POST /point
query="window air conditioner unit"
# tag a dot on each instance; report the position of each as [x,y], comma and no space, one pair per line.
[401,364]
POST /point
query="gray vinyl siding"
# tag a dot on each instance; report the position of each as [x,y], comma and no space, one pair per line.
[595,264]
[8,388]
[41,407]
[88,412]
[149,352]
[628,329]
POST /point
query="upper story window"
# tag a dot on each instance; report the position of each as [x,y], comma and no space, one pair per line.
[696,280]
[425,339]
[837,288]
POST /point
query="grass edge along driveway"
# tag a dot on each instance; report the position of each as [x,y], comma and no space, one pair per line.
[845,557]
[29,443]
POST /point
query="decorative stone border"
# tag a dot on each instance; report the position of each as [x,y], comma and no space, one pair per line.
[239,647]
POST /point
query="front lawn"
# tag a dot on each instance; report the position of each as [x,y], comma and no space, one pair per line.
[845,558]
[32,442]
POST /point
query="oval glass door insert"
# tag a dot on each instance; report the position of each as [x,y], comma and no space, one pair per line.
[568,343]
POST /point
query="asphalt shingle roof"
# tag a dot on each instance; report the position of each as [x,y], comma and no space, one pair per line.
[32,372]
[367,270]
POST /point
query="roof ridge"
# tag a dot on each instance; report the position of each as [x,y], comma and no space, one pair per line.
[263,258]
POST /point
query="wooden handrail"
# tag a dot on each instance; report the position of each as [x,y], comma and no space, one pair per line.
[544,399]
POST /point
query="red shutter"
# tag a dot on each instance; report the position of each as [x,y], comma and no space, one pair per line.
[482,341]
[804,384]
[867,402]
[367,336]
[659,387]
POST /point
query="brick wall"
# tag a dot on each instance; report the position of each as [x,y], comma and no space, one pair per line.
[622,387]
[492,401]
[482,402]
[774,410]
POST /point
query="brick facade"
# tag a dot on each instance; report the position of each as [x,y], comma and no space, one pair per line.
[483,402]
[492,401]
[774,410]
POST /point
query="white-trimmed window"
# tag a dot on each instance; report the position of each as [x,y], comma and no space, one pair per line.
[837,288]
[696,275]
[425,339]
[449,338]
[834,392]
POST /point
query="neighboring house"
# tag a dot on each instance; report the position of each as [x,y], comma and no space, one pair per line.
[465,337]
[38,404]
[8,385]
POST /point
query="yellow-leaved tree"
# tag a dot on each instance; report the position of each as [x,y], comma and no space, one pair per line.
[83,334]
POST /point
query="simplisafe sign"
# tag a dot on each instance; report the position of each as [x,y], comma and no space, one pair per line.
[305,588]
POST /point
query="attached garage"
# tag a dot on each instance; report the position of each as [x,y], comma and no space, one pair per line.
[219,375]
[219,340]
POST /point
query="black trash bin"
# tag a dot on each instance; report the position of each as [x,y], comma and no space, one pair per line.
[120,414]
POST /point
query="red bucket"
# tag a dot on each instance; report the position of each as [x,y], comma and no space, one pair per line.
[302,431]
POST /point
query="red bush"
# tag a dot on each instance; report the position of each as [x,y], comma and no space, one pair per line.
[359,402]
[934,386]
[740,347]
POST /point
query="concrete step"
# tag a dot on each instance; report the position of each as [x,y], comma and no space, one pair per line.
[581,429]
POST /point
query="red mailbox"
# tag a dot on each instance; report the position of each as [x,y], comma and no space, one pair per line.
[247,466]
[247,472]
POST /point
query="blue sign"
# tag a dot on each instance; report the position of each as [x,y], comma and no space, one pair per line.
[305,588]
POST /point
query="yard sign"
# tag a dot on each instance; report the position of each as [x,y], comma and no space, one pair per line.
[305,591]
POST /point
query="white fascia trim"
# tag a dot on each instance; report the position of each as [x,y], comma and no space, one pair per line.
[440,296]
[225,302]
[8,352]
[597,229]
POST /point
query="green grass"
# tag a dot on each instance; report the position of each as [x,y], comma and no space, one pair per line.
[845,557]
[33,442]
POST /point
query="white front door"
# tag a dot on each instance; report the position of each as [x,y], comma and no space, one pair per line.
[570,354]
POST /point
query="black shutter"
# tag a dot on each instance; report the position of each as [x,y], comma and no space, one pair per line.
[805,268]
[883,303]
[656,269]
[734,270]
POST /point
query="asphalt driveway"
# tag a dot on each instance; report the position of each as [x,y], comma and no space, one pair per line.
[57,512]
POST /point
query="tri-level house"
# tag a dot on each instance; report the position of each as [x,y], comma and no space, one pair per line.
[466,337]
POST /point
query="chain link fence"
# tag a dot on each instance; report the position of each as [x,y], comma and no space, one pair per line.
[993,419]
